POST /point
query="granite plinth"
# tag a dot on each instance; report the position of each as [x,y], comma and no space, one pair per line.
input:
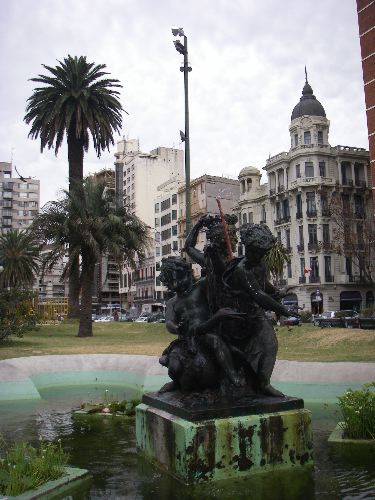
[196,407]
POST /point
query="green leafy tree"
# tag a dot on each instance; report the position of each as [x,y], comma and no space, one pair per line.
[76,99]
[19,257]
[87,220]
[17,314]
[275,260]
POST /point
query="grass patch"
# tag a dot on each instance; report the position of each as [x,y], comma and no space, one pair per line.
[23,467]
[302,343]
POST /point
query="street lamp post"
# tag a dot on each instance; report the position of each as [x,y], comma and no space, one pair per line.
[185,69]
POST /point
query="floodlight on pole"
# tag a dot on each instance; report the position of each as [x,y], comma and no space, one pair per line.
[185,69]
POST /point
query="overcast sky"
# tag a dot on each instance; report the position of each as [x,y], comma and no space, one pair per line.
[248,59]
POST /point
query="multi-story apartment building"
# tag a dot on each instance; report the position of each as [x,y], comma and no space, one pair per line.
[304,186]
[19,199]
[138,176]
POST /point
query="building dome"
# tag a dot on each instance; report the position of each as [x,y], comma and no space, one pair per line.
[249,171]
[308,104]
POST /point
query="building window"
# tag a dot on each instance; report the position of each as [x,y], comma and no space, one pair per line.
[251,217]
[307,137]
[289,269]
[314,266]
[302,266]
[320,137]
[322,168]
[166,249]
[174,246]
[174,230]
[287,237]
[164,205]
[157,266]
[174,199]
[174,214]
[310,202]
[296,139]
[264,216]
[309,169]
[313,234]
[157,237]
[157,251]
[166,219]
[156,208]
[327,267]
[348,266]
[326,237]
[298,171]
[286,208]
[299,204]
[157,222]
[202,188]
[166,234]
[244,218]
[279,236]
[300,232]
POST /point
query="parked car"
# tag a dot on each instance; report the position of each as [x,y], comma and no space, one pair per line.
[325,316]
[104,319]
[291,321]
[142,319]
[156,318]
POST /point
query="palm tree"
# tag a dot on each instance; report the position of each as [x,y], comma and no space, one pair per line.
[19,257]
[74,100]
[275,260]
[88,221]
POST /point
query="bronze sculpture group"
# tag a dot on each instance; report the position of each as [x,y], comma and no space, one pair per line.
[225,341]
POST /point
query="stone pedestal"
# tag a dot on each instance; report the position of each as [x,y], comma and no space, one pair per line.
[224,448]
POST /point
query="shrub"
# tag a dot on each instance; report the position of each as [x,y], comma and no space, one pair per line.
[16,312]
[23,467]
[368,312]
[305,316]
[358,411]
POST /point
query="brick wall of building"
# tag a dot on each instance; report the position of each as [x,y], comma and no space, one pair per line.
[366,25]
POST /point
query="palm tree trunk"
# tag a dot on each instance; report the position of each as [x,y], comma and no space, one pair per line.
[75,159]
[85,321]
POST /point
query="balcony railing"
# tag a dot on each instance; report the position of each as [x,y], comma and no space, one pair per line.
[278,222]
[326,212]
[299,215]
[280,189]
[311,213]
[314,279]
[272,192]
[329,279]
[347,182]
[313,246]
[360,184]
[327,246]
[302,279]
[359,214]
[301,247]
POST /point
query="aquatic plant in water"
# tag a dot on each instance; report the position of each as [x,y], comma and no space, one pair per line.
[358,411]
[24,467]
[111,405]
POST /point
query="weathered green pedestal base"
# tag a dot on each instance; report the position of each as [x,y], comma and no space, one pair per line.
[224,448]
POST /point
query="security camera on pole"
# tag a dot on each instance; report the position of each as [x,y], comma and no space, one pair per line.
[185,137]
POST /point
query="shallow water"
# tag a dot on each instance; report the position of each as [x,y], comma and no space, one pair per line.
[107,448]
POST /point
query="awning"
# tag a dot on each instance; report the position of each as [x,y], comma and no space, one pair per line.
[350,296]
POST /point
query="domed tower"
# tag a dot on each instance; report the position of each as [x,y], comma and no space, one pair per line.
[309,124]
[249,178]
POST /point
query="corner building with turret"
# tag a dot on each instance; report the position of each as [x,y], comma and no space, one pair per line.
[296,203]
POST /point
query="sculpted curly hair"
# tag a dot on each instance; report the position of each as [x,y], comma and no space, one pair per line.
[215,230]
[257,235]
[171,264]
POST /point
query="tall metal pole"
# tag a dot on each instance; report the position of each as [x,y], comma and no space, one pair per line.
[186,70]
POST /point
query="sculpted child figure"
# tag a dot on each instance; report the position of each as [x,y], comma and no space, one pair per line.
[198,358]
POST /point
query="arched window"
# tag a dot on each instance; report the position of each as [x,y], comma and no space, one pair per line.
[307,137]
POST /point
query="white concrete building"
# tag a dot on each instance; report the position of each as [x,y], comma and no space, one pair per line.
[138,176]
[19,200]
[296,205]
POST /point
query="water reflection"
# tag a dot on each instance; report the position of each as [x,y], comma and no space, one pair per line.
[107,448]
